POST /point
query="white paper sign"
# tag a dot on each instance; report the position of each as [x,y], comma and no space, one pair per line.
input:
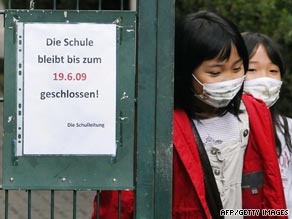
[69,85]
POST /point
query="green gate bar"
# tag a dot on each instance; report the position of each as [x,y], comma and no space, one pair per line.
[154,109]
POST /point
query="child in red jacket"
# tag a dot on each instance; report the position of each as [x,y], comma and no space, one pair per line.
[264,81]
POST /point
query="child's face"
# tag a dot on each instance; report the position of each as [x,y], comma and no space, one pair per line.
[214,70]
[260,65]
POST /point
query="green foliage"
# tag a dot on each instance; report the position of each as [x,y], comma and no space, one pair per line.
[270,17]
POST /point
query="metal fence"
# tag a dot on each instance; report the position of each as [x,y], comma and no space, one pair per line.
[153,120]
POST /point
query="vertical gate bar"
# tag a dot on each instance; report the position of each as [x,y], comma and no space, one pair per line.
[119,204]
[74,203]
[29,204]
[97,204]
[52,204]
[6,203]
[164,109]
[146,92]
[9,4]
[55,4]
[77,4]
[99,4]
[122,5]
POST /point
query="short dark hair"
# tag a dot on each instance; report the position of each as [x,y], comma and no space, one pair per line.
[203,36]
[254,40]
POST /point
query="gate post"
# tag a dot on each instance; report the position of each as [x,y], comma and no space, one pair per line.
[154,109]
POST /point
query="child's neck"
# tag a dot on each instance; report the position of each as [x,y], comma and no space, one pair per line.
[205,111]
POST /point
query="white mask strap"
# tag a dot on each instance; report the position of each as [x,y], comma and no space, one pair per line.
[197,80]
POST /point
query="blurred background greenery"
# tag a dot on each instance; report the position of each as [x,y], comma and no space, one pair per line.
[271,17]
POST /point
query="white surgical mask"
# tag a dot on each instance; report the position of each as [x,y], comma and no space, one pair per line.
[219,94]
[264,88]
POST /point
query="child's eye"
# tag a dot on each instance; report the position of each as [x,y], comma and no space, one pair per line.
[237,69]
[212,73]
[274,71]
[251,70]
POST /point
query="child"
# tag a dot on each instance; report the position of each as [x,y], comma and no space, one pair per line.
[211,60]
[216,136]
[263,81]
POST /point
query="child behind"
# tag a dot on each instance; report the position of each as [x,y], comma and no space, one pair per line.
[264,81]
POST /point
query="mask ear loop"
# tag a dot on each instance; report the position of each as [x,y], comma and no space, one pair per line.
[197,80]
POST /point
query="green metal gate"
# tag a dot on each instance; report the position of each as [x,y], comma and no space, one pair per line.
[143,128]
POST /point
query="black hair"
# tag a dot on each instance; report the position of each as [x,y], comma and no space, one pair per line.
[253,41]
[199,37]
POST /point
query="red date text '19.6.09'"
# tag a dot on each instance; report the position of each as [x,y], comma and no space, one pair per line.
[79,76]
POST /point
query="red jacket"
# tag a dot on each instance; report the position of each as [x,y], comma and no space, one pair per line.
[189,199]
